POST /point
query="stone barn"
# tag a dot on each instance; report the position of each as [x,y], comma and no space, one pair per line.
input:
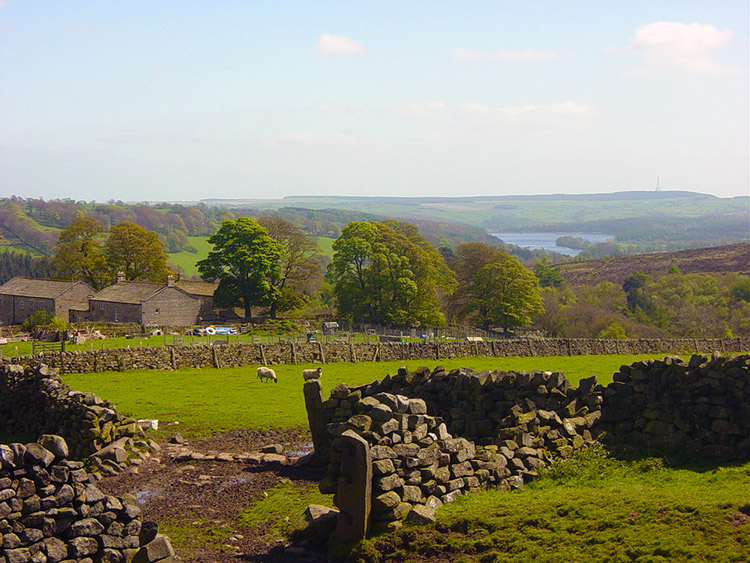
[146,303]
[20,297]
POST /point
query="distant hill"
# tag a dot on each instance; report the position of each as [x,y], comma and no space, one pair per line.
[713,260]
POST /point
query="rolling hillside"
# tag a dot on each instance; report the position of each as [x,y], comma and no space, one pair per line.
[717,259]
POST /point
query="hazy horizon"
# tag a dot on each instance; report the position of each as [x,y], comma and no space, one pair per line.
[184,101]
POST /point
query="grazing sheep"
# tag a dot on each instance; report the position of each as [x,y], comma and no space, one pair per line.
[312,373]
[267,373]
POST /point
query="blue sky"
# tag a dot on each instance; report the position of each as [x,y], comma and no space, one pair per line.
[178,101]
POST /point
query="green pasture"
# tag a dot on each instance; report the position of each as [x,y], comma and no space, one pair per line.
[326,245]
[592,508]
[186,260]
[215,400]
[595,507]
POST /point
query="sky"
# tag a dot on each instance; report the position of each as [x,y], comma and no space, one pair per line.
[180,101]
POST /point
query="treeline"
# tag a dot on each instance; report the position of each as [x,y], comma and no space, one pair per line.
[647,306]
[34,224]
[14,264]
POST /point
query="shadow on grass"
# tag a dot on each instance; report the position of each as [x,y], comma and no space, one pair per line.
[675,458]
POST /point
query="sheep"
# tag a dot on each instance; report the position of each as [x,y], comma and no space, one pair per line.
[265,373]
[312,373]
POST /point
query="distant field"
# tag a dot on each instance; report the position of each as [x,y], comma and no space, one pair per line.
[528,211]
[326,245]
[187,260]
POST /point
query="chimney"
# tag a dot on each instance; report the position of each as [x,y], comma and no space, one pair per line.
[170,280]
[120,277]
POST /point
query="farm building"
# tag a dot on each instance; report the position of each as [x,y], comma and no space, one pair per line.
[203,291]
[20,297]
[146,303]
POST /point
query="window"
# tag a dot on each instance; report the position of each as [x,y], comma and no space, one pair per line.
[101,306]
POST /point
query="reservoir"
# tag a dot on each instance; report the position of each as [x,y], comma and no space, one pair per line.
[547,240]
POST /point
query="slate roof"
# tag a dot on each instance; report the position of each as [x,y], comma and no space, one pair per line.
[201,288]
[128,292]
[29,287]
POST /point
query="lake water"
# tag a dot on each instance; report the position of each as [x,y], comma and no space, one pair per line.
[547,240]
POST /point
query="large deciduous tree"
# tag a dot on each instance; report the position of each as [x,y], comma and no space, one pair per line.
[494,288]
[245,260]
[137,252]
[300,265]
[79,251]
[388,273]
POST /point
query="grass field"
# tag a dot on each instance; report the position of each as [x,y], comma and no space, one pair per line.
[593,508]
[597,507]
[215,400]
[187,260]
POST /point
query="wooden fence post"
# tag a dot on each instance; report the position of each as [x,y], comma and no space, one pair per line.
[322,354]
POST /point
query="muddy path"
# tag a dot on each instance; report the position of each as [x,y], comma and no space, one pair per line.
[199,501]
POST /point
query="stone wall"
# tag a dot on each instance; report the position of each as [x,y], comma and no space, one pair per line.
[51,510]
[701,406]
[434,435]
[35,401]
[236,355]
[429,436]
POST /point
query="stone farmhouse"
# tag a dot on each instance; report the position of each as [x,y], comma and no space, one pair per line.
[145,303]
[20,297]
[203,291]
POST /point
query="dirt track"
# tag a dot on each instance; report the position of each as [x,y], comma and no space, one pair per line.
[208,495]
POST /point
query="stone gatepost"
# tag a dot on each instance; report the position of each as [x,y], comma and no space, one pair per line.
[314,405]
[354,494]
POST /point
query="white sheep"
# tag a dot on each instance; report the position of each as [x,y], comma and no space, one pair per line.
[312,373]
[265,373]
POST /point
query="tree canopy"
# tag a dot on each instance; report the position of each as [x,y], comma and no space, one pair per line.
[245,260]
[79,251]
[299,265]
[494,288]
[386,272]
[137,252]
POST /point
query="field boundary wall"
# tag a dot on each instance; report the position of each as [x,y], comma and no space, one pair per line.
[237,355]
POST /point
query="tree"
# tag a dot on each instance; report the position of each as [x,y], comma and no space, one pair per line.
[633,288]
[506,294]
[469,258]
[78,253]
[494,289]
[300,265]
[388,273]
[245,260]
[137,252]
[548,276]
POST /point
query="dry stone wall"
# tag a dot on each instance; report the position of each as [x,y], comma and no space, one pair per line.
[237,355]
[35,401]
[701,406]
[51,511]
[429,436]
[435,435]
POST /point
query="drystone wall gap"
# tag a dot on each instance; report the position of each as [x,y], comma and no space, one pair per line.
[431,436]
[238,355]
